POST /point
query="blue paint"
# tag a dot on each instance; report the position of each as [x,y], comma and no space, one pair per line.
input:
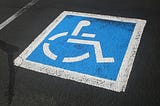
[114,37]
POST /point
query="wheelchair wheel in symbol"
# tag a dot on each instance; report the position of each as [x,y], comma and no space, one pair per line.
[53,56]
[95,44]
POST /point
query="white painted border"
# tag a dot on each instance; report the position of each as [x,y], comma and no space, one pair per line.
[118,85]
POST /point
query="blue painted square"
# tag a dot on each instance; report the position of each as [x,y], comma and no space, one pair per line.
[114,37]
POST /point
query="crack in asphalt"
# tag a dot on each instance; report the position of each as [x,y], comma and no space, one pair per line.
[10,49]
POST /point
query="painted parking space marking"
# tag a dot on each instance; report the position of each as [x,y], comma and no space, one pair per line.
[98,50]
[18,13]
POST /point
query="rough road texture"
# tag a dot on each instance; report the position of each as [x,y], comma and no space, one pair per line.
[21,87]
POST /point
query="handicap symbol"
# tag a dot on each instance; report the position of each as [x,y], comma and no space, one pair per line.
[96,44]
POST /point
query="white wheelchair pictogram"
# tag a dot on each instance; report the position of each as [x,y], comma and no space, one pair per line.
[96,44]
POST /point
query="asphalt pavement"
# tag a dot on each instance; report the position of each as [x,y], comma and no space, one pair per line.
[22,87]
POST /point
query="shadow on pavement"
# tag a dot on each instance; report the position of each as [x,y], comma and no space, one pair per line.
[10,49]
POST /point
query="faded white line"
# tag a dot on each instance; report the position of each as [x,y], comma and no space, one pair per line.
[18,13]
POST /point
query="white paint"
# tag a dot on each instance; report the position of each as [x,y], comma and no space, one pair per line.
[88,35]
[58,35]
[81,24]
[97,47]
[48,53]
[46,49]
[18,13]
[77,58]
[118,85]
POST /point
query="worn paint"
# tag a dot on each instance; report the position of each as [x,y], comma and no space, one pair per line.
[94,49]
[18,13]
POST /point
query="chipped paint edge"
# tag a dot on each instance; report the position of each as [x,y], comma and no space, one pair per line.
[125,69]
